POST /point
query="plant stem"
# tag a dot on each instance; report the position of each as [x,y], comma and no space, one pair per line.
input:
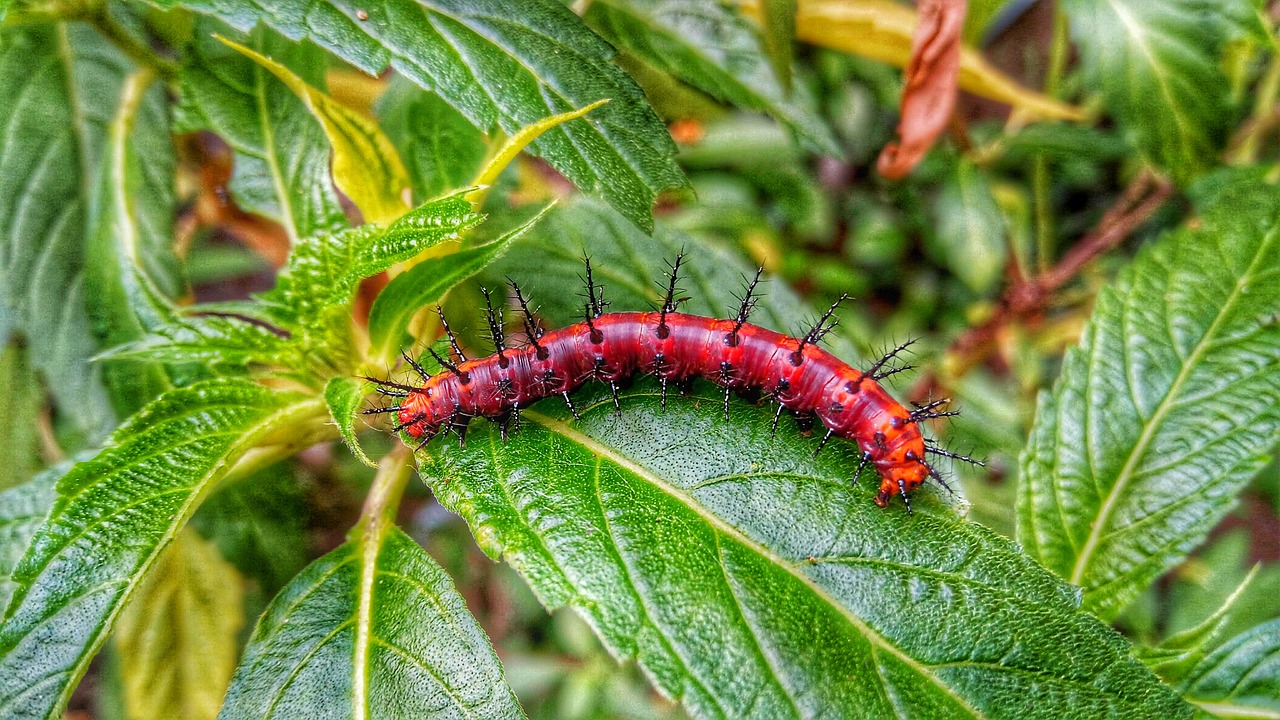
[383,500]
[1040,181]
[1135,206]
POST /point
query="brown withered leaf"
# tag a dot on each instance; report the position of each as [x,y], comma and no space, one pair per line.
[930,94]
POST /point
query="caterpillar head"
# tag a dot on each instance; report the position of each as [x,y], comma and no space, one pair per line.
[901,477]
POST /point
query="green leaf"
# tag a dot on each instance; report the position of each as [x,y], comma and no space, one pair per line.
[344,396]
[499,64]
[113,516]
[282,157]
[1241,679]
[426,283]
[749,579]
[442,151]
[502,155]
[64,81]
[423,284]
[21,403]
[778,32]
[1178,653]
[177,635]
[1166,408]
[214,340]
[711,46]
[1159,69]
[325,270]
[971,228]
[131,271]
[366,166]
[22,510]
[370,632]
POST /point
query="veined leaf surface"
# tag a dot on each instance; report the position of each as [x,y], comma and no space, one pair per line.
[751,580]
[388,639]
[113,515]
[1167,407]
[499,64]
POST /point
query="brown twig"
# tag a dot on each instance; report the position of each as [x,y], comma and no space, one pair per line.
[1134,207]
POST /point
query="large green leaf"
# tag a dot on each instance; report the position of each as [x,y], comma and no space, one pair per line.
[131,272]
[215,340]
[282,158]
[22,510]
[750,579]
[1241,679]
[499,64]
[1166,408]
[1159,68]
[711,46]
[177,635]
[114,514]
[61,83]
[370,632]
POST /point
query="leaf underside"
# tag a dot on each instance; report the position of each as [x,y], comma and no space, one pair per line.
[1159,67]
[62,84]
[281,166]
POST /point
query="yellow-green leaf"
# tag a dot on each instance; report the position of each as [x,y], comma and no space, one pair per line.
[177,637]
[516,143]
[882,30]
[366,166]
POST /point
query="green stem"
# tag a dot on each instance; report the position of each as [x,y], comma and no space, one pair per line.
[383,500]
[1040,180]
[378,514]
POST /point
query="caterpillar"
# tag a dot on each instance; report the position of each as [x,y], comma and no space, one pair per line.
[676,347]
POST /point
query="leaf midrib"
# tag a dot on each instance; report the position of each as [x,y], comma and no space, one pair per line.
[725,528]
[273,161]
[1232,710]
[1135,31]
[1157,418]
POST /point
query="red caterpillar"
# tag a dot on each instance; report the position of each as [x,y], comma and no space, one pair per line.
[677,347]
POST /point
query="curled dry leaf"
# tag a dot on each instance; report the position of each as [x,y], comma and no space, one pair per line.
[883,30]
[930,95]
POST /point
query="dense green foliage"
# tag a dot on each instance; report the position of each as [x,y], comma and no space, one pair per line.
[219,218]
